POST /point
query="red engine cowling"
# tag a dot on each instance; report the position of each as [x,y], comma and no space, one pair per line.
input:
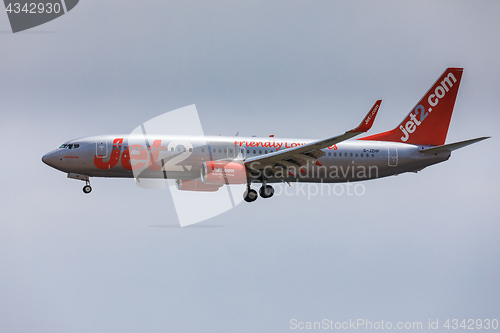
[222,173]
[195,185]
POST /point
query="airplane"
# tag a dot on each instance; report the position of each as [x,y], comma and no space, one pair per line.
[205,163]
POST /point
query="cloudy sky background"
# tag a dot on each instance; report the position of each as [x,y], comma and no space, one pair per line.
[414,247]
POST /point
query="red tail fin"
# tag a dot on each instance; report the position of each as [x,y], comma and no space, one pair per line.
[428,122]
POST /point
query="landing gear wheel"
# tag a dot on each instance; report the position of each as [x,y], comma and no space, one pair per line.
[266,191]
[250,195]
[87,189]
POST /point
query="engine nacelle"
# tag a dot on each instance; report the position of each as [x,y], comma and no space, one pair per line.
[221,173]
[195,185]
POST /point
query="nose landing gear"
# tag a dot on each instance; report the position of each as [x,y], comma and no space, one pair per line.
[87,189]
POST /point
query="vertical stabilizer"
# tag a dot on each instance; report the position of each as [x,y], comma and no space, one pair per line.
[428,122]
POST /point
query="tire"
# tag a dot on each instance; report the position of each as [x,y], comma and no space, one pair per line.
[266,191]
[87,189]
[250,195]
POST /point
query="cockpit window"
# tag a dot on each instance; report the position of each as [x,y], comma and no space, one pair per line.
[70,146]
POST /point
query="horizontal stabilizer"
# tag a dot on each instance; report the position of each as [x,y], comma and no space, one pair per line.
[452,146]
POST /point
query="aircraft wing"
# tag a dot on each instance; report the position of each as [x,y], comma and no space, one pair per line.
[296,157]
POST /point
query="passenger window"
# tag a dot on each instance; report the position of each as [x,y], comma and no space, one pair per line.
[361,154]
[356,154]
[172,149]
[260,151]
[351,154]
[265,151]
[334,154]
[225,150]
[248,151]
[220,150]
[202,150]
[114,148]
[214,150]
[190,150]
[340,154]
[255,152]
[373,155]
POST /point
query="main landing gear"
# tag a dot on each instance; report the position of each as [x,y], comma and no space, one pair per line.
[250,195]
[87,189]
[266,191]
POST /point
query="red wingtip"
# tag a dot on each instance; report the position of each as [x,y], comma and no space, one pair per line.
[367,123]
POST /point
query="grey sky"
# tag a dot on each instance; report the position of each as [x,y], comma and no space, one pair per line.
[412,248]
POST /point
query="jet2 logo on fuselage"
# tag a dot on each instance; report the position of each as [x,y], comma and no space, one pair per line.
[26,14]
[433,100]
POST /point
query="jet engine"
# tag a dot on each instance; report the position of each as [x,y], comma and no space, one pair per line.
[221,173]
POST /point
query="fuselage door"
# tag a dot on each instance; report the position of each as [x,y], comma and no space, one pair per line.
[241,153]
[393,156]
[231,153]
[101,149]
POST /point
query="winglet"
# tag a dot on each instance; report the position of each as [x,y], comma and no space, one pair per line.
[367,123]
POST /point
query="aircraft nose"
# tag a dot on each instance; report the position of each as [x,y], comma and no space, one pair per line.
[48,159]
